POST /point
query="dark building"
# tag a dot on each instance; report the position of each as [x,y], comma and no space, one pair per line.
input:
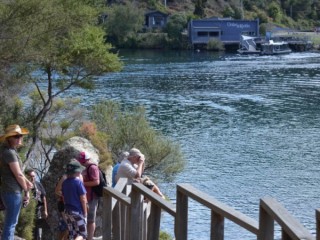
[155,19]
[227,30]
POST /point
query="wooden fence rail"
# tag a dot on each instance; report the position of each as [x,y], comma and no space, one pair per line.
[133,212]
[270,211]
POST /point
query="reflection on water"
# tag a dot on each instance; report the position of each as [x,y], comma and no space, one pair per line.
[248,126]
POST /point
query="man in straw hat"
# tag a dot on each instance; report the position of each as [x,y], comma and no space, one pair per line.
[13,181]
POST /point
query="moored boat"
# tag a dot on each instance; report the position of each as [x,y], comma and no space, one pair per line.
[275,48]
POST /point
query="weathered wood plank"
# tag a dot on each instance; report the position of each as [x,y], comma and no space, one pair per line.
[107,216]
[220,208]
[154,222]
[266,225]
[117,195]
[136,221]
[287,222]
[155,198]
[217,226]
[181,220]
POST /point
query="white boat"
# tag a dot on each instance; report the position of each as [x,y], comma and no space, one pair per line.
[248,45]
[275,48]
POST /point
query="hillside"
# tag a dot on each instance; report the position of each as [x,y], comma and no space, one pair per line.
[297,14]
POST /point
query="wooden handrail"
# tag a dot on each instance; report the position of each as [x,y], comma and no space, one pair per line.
[155,198]
[220,208]
[270,210]
[136,212]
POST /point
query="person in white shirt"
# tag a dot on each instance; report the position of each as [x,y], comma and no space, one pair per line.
[132,167]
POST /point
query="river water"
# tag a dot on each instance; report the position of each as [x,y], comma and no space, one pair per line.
[248,127]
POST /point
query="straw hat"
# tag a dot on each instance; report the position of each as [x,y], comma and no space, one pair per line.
[13,130]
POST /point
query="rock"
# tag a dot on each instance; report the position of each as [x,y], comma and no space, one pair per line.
[71,149]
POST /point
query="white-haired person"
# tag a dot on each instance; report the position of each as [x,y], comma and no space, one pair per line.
[122,156]
[132,167]
[13,181]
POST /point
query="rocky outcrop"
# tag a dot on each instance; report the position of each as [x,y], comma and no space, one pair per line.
[71,149]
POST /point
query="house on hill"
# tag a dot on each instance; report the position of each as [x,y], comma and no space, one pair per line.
[155,19]
[227,30]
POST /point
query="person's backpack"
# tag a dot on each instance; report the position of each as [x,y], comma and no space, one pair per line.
[98,190]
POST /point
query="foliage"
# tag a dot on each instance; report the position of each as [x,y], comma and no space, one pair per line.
[199,8]
[26,221]
[55,46]
[215,45]
[99,140]
[274,11]
[129,128]
[151,40]
[123,22]
[228,12]
[54,130]
[176,24]
[165,236]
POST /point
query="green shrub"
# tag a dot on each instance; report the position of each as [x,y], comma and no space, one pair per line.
[215,45]
[127,128]
[26,222]
[151,40]
[165,236]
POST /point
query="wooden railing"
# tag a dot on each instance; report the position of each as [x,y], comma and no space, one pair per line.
[133,212]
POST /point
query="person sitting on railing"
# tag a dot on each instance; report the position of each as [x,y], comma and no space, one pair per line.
[146,181]
[132,167]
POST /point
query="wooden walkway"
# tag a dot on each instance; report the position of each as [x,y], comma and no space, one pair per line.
[127,216]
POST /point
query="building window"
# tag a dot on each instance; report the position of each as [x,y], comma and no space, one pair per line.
[214,34]
[249,33]
[202,34]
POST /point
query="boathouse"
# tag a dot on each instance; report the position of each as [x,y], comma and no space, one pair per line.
[155,19]
[227,30]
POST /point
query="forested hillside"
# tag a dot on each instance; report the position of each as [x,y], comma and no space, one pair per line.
[298,14]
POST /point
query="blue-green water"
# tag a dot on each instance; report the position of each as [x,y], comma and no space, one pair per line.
[248,126]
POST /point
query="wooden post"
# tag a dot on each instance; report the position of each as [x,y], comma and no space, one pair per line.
[154,222]
[136,219]
[318,223]
[217,226]
[107,216]
[181,221]
[266,225]
[285,236]
[116,222]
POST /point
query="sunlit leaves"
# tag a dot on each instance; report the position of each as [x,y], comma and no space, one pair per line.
[129,128]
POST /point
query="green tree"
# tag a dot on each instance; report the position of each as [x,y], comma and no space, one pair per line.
[177,23]
[274,11]
[129,128]
[228,12]
[199,8]
[58,40]
[123,23]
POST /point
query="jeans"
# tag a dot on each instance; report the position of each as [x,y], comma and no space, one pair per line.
[12,201]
